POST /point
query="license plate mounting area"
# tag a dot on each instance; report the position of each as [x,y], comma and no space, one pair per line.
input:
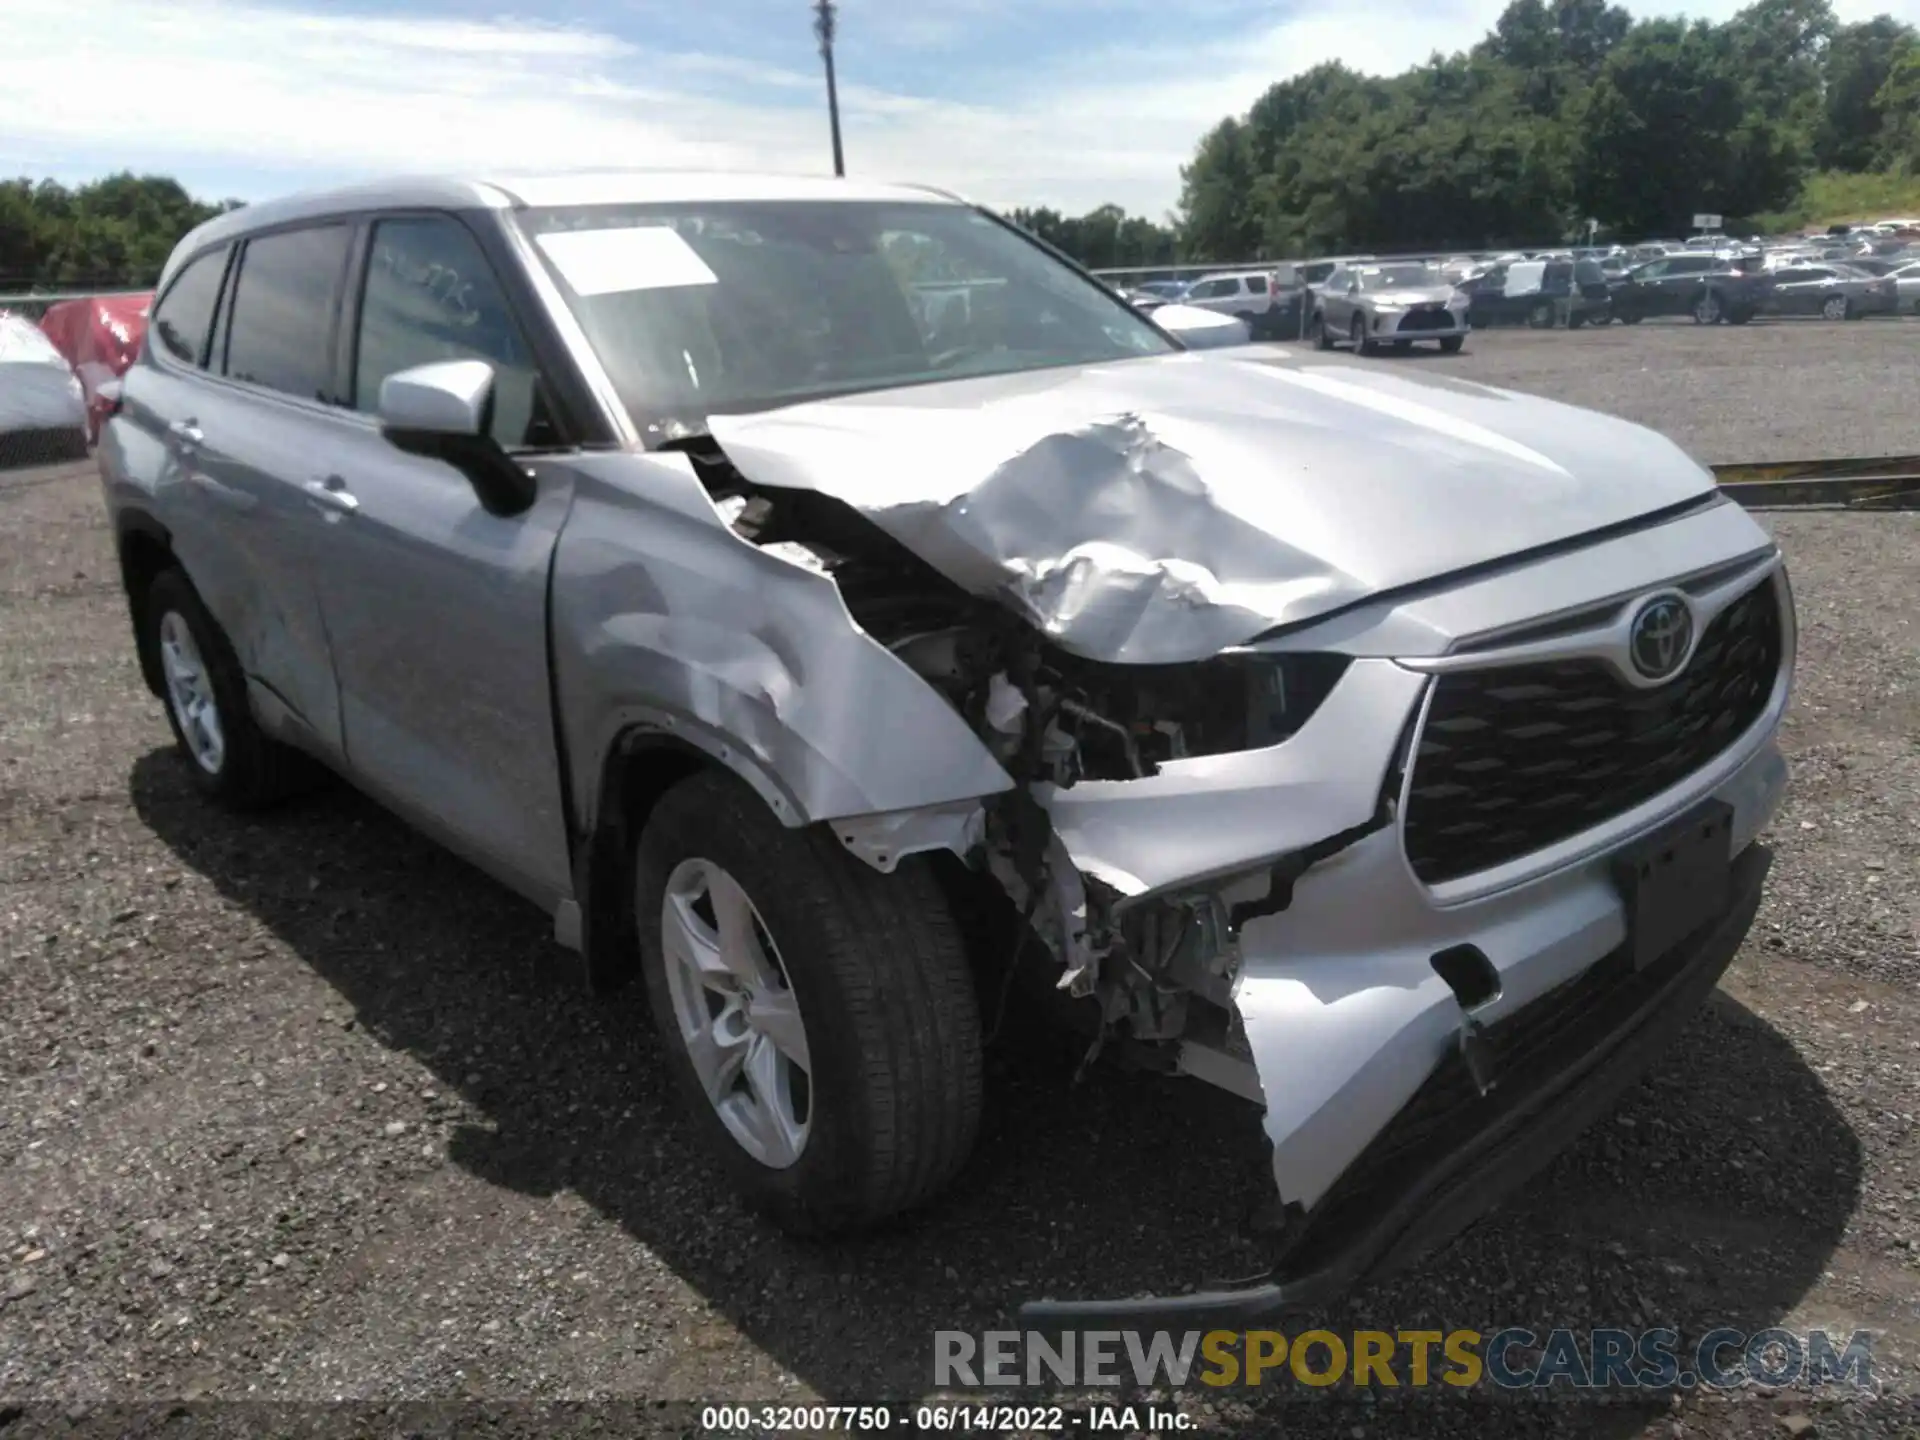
[1676,880]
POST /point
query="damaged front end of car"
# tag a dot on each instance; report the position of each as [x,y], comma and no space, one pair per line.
[1211,742]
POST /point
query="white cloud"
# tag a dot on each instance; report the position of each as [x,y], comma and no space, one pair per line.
[255,94]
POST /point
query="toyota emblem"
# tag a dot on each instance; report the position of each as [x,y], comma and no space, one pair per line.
[1660,636]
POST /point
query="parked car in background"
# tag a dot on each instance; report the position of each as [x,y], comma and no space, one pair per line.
[1373,305]
[1833,291]
[1906,284]
[99,335]
[1162,289]
[1199,329]
[1245,294]
[1540,293]
[1698,285]
[43,408]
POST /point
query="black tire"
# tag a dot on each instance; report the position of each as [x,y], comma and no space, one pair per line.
[1742,316]
[880,975]
[1577,320]
[1317,332]
[1707,309]
[1357,336]
[1631,318]
[1540,317]
[254,770]
[1451,344]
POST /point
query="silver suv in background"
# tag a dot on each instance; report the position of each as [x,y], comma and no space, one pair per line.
[1394,304]
[1388,754]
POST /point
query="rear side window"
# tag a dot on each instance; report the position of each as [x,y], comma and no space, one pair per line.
[185,313]
[431,296]
[1257,284]
[284,302]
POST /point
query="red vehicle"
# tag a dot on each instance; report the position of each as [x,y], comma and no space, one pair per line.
[99,336]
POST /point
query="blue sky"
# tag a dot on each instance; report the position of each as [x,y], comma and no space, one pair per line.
[1063,102]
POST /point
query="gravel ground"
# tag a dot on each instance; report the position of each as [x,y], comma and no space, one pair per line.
[304,1108]
[1772,390]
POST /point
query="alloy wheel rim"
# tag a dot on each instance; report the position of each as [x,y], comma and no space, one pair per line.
[190,693]
[736,1013]
[1836,308]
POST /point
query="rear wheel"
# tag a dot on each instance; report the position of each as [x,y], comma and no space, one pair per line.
[1837,307]
[1540,317]
[1451,344]
[230,759]
[819,1016]
[1706,308]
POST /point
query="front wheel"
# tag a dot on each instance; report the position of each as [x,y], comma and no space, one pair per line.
[1837,307]
[1357,336]
[818,1016]
[230,759]
[1317,332]
[1451,344]
[1706,309]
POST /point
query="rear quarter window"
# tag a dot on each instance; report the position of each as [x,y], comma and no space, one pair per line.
[183,319]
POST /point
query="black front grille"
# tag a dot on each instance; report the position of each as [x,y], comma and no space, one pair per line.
[1436,318]
[1515,759]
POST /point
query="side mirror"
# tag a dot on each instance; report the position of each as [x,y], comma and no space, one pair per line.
[443,412]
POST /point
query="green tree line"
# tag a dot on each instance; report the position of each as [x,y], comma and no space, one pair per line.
[1569,110]
[111,234]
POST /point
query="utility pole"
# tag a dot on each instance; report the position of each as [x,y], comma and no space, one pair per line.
[823,28]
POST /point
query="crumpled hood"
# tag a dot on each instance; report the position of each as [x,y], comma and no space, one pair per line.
[1166,508]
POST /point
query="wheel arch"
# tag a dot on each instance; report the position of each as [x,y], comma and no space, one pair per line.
[144,548]
[645,760]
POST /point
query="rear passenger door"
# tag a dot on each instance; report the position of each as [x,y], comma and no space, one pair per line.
[437,609]
[264,414]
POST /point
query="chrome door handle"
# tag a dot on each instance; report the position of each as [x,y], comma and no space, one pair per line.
[187,432]
[332,492]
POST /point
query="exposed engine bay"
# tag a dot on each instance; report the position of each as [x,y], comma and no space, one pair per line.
[1158,968]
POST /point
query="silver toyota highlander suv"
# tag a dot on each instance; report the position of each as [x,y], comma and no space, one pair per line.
[1386,752]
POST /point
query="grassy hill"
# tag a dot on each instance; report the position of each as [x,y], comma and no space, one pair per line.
[1833,198]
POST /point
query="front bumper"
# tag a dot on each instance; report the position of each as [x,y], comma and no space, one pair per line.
[1452,1154]
[1393,325]
[1347,1020]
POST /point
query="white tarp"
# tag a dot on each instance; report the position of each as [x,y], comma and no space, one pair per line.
[38,389]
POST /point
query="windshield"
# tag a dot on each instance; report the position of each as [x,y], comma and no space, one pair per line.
[1400,277]
[702,309]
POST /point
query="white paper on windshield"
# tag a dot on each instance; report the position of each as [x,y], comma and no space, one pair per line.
[641,257]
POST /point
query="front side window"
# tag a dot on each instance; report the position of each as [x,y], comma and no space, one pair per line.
[430,295]
[699,309]
[284,302]
[184,316]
